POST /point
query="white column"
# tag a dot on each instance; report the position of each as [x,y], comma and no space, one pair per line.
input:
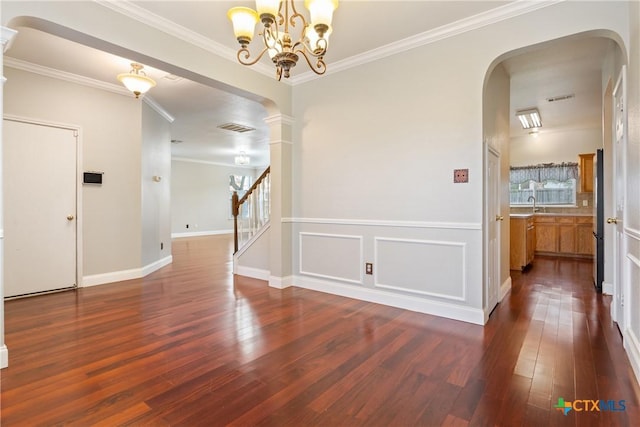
[7,34]
[280,250]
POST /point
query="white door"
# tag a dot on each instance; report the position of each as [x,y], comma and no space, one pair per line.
[39,171]
[619,280]
[494,221]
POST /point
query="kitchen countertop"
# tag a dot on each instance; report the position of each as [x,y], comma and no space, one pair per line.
[526,215]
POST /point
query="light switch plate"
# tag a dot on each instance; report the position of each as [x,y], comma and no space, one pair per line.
[460,175]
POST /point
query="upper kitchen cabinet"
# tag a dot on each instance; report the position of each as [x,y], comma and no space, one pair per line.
[586,172]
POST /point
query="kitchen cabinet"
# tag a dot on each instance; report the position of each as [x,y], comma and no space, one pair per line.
[523,241]
[586,172]
[546,234]
[564,235]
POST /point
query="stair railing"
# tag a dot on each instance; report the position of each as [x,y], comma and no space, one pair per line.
[251,211]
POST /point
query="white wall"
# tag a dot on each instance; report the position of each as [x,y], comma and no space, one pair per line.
[632,213]
[111,141]
[556,147]
[156,195]
[200,197]
[375,147]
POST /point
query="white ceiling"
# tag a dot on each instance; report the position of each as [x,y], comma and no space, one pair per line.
[559,68]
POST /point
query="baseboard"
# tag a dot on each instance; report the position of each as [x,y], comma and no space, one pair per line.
[632,345]
[119,276]
[114,276]
[254,273]
[4,357]
[504,289]
[154,266]
[607,288]
[281,282]
[200,233]
[420,305]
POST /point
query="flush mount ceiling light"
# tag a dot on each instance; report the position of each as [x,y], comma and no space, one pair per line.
[276,17]
[136,80]
[242,159]
[529,118]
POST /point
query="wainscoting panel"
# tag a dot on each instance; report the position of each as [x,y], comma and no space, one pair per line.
[425,267]
[332,256]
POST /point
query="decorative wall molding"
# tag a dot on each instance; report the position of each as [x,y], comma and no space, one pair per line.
[634,260]
[359,256]
[508,11]
[387,223]
[119,276]
[200,233]
[493,16]
[111,277]
[19,64]
[254,273]
[158,108]
[462,286]
[150,268]
[206,162]
[281,282]
[4,356]
[504,289]
[280,118]
[6,37]
[632,345]
[406,302]
[146,17]
[632,232]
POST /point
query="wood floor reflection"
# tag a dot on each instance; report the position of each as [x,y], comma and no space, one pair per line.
[190,345]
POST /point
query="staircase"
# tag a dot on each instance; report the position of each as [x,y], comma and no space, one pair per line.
[252,211]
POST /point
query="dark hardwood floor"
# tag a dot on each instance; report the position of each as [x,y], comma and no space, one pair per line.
[191,346]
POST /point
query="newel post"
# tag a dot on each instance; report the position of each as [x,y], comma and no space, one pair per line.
[234,212]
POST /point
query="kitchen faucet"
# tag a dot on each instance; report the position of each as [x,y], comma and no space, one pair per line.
[534,203]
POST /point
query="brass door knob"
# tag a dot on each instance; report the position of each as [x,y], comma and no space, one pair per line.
[70,217]
[499,218]
[612,220]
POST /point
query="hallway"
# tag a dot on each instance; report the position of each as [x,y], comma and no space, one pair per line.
[190,345]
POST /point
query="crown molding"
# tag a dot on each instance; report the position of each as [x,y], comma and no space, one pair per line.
[207,162]
[502,13]
[508,11]
[158,108]
[63,75]
[82,80]
[125,7]
[280,118]
[6,36]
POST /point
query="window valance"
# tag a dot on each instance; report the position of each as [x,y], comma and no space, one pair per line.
[546,172]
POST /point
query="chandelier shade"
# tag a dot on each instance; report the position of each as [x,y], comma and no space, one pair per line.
[136,80]
[279,18]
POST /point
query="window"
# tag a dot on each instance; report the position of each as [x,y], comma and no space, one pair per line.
[240,184]
[550,184]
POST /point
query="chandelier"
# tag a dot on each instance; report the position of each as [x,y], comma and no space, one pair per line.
[136,80]
[277,16]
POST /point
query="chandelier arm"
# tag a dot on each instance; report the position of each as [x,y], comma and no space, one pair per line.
[247,54]
[322,50]
[320,65]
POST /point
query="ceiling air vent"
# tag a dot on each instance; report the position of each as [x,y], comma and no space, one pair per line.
[235,127]
[561,98]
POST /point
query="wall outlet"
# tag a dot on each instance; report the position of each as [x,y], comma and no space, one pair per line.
[187,226]
[161,245]
[460,175]
[368,268]
[585,203]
